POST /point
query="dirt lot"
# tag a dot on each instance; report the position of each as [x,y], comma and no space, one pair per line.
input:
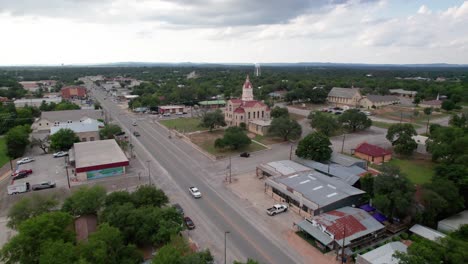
[249,187]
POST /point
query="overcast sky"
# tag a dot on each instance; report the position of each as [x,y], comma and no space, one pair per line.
[252,31]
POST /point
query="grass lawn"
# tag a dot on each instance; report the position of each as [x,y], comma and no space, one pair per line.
[206,141]
[3,157]
[418,171]
[267,140]
[387,125]
[183,124]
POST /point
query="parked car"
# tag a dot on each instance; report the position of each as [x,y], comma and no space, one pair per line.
[60,154]
[136,133]
[21,174]
[178,208]
[245,154]
[189,223]
[134,123]
[276,209]
[25,160]
[179,113]
[43,185]
[367,113]
[195,192]
[167,114]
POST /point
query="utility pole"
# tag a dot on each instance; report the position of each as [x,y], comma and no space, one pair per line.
[342,246]
[149,172]
[68,177]
[342,144]
[230,170]
[225,235]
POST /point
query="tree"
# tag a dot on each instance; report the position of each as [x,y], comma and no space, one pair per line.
[118,198]
[33,235]
[400,135]
[234,138]
[249,261]
[367,184]
[86,200]
[97,105]
[106,245]
[17,139]
[179,252]
[285,128]
[63,139]
[354,120]
[109,131]
[279,112]
[459,120]
[393,192]
[213,119]
[428,112]
[448,105]
[58,252]
[29,207]
[315,146]
[448,144]
[42,143]
[324,123]
[149,196]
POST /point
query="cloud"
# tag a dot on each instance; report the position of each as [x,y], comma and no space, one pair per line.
[424,10]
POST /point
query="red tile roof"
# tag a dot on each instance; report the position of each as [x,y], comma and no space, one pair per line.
[239,110]
[372,150]
[247,83]
[70,91]
[252,103]
[236,101]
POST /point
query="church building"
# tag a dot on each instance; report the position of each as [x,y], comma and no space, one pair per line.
[246,109]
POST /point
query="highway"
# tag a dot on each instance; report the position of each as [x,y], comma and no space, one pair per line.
[246,240]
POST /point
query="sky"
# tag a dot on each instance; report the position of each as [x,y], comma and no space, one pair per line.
[233,31]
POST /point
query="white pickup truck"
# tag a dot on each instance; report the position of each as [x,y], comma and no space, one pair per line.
[19,188]
[276,209]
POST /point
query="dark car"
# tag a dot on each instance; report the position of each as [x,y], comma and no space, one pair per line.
[21,174]
[178,208]
[189,223]
[245,154]
[136,133]
[43,185]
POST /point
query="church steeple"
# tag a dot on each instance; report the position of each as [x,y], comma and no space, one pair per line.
[247,90]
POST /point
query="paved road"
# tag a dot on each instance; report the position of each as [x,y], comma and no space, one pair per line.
[246,240]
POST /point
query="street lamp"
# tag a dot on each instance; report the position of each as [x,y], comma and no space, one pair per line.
[225,235]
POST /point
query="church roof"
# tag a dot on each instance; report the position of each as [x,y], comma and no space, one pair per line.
[247,83]
[239,110]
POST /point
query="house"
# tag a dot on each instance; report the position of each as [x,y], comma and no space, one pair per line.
[453,222]
[259,127]
[279,95]
[30,86]
[312,193]
[98,159]
[346,226]
[376,101]
[421,141]
[245,109]
[172,109]
[212,104]
[431,104]
[280,168]
[403,93]
[344,96]
[372,153]
[73,92]
[348,174]
[49,119]
[36,101]
[33,86]
[86,130]
[426,232]
[382,254]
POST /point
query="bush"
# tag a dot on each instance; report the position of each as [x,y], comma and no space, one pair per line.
[404,236]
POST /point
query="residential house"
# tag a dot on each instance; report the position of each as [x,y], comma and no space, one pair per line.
[346,226]
[377,101]
[84,226]
[372,153]
[344,96]
[49,119]
[382,254]
[278,95]
[310,193]
[245,109]
[86,130]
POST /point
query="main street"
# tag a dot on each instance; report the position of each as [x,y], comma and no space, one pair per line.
[174,161]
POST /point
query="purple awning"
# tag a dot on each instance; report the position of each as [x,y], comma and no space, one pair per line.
[367,208]
[379,217]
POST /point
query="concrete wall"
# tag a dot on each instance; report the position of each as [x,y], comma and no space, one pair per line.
[88,136]
[375,160]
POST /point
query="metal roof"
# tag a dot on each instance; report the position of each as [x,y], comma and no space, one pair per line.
[350,175]
[382,98]
[346,160]
[426,232]
[88,125]
[453,222]
[212,102]
[314,231]
[71,115]
[283,167]
[320,189]
[93,153]
[384,254]
[343,92]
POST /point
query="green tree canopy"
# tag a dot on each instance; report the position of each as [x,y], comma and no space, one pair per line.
[354,120]
[63,139]
[17,139]
[279,112]
[285,128]
[448,144]
[315,146]
[234,138]
[179,252]
[400,135]
[29,207]
[86,200]
[212,119]
[109,131]
[149,195]
[325,123]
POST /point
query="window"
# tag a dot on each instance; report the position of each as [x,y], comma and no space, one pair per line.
[249,115]
[47,124]
[40,124]
[91,139]
[83,139]
[263,113]
[254,115]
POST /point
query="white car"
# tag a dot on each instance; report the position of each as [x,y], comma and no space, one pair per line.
[60,154]
[179,113]
[195,192]
[25,160]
